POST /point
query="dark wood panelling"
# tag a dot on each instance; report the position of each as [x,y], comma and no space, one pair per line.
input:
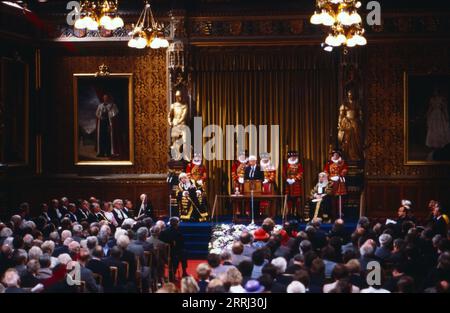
[384,195]
[37,190]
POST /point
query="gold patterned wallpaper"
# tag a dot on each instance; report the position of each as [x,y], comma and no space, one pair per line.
[384,68]
[150,109]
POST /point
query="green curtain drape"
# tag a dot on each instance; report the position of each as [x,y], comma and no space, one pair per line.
[295,88]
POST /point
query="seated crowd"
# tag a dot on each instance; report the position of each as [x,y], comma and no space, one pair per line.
[117,253]
[90,246]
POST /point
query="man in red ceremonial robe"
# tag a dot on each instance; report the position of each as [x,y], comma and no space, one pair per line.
[292,175]
[237,174]
[268,184]
[337,169]
[197,171]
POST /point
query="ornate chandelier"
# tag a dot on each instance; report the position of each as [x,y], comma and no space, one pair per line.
[95,14]
[147,32]
[344,21]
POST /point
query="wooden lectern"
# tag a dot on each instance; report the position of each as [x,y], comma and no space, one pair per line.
[252,185]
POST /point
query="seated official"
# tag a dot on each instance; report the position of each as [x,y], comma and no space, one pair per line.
[191,199]
[145,207]
[320,204]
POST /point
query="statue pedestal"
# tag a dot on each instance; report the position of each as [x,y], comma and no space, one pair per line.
[355,187]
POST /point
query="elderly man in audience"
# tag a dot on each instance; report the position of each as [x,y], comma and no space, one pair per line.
[38,254]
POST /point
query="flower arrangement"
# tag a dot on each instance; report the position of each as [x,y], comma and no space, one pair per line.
[223,235]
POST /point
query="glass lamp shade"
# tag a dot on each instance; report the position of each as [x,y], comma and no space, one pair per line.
[351,42]
[344,18]
[327,19]
[316,19]
[132,43]
[80,23]
[341,39]
[117,22]
[155,44]
[164,43]
[360,40]
[105,21]
[355,18]
[91,24]
[141,42]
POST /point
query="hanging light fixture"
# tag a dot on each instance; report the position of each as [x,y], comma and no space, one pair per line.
[344,21]
[147,32]
[95,14]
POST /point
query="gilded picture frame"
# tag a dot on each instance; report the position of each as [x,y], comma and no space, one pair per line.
[103,119]
[426,119]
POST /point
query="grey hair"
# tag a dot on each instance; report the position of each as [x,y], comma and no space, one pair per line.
[30,224]
[117,201]
[35,253]
[123,241]
[155,231]
[385,240]
[48,247]
[119,232]
[91,242]
[77,228]
[280,263]
[366,249]
[161,224]
[436,239]
[6,232]
[65,234]
[128,222]
[64,258]
[141,233]
[54,236]
[28,239]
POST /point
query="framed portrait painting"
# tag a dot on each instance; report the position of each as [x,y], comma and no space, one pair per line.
[427,124]
[103,119]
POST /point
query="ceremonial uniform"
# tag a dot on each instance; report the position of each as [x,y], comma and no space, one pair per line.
[191,201]
[337,169]
[268,185]
[238,171]
[292,175]
[337,172]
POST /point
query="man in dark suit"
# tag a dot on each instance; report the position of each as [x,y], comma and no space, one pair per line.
[439,223]
[114,260]
[96,265]
[71,212]
[54,212]
[253,170]
[145,207]
[174,237]
[86,274]
[82,212]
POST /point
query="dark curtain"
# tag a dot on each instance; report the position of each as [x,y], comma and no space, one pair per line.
[295,88]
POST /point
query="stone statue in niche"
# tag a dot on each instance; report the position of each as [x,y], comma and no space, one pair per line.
[349,128]
[178,118]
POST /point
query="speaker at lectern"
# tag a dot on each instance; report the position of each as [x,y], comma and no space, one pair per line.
[252,185]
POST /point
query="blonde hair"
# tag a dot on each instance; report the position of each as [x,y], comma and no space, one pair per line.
[189,285]
[233,276]
[353,266]
[168,288]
